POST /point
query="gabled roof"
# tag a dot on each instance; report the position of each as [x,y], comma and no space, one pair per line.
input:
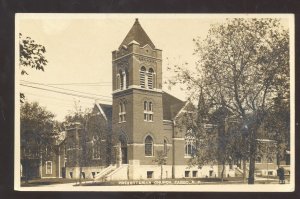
[171,106]
[138,35]
[107,109]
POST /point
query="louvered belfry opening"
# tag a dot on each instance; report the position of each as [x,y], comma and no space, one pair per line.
[142,77]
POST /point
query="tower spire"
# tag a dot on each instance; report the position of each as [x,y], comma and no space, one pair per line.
[138,34]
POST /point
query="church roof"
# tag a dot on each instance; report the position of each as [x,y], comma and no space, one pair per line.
[171,106]
[138,35]
[107,109]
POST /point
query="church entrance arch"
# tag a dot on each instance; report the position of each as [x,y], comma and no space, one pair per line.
[123,149]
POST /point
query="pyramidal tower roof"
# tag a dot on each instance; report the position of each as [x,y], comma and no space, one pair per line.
[137,34]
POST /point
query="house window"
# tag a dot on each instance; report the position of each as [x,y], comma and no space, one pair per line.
[49,167]
[149,174]
[195,174]
[148,111]
[122,112]
[189,144]
[148,146]
[187,174]
[142,77]
[270,173]
[150,78]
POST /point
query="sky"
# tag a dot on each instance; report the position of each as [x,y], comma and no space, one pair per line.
[79,46]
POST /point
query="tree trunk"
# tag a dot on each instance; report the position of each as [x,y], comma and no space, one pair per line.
[252,156]
[80,171]
[244,160]
[222,173]
[244,170]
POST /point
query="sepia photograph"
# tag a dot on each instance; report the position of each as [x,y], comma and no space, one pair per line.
[154,102]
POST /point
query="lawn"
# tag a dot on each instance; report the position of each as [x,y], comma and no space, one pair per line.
[49,181]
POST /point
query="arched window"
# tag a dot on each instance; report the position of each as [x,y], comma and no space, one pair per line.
[148,146]
[127,78]
[150,78]
[190,144]
[148,111]
[96,146]
[122,112]
[150,106]
[121,79]
[142,76]
[145,111]
[118,82]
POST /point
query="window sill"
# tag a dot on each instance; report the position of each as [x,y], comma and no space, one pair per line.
[149,156]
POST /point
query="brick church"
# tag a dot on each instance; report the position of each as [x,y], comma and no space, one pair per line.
[124,141]
[141,123]
[141,120]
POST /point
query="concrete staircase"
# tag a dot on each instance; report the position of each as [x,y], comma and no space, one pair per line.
[120,173]
[239,172]
[101,176]
[113,172]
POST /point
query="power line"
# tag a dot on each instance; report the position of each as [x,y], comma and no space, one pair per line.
[71,94]
[65,89]
[82,85]
[86,84]
[104,83]
[62,101]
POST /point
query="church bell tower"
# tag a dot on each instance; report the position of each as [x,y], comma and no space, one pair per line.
[137,120]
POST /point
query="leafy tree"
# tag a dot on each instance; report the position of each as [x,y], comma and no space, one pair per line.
[32,55]
[278,123]
[37,135]
[241,65]
[94,132]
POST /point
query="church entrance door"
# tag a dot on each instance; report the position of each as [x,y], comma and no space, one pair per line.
[123,150]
